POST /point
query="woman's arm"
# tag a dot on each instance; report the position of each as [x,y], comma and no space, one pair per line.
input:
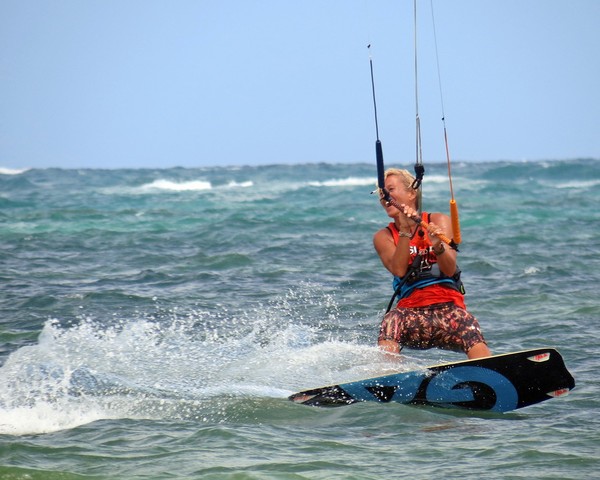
[446,256]
[394,257]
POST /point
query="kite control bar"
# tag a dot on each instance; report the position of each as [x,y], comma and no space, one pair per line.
[419,221]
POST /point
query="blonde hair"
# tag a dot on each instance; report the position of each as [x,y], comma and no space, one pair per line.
[407,178]
[407,181]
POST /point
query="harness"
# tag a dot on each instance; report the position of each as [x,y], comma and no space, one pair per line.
[424,269]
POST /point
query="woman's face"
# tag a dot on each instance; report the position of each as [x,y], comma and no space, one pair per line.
[397,190]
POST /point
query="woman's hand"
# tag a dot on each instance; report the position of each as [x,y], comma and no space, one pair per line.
[434,232]
[406,215]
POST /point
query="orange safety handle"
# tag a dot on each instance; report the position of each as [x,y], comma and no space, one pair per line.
[441,236]
[455,221]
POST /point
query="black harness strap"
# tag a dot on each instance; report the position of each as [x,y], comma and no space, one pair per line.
[411,273]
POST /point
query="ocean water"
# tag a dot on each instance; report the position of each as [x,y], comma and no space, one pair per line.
[153,322]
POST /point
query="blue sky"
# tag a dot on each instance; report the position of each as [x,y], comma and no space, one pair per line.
[147,83]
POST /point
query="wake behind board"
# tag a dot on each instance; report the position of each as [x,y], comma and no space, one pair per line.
[500,383]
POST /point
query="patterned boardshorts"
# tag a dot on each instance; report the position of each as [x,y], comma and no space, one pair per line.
[443,325]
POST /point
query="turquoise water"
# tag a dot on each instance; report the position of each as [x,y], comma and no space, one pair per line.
[153,322]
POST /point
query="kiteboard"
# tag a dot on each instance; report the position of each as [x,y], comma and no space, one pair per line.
[500,383]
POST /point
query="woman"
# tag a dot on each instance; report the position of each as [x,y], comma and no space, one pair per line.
[431,311]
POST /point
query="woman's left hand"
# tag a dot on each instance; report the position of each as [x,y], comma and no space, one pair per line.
[434,232]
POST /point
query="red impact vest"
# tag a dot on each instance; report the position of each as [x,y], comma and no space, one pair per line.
[426,289]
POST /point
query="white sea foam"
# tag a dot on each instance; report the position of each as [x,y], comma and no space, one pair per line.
[12,171]
[183,367]
[579,184]
[47,417]
[169,185]
[435,179]
[344,182]
[234,184]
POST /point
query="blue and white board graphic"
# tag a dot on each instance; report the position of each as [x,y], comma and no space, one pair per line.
[500,383]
